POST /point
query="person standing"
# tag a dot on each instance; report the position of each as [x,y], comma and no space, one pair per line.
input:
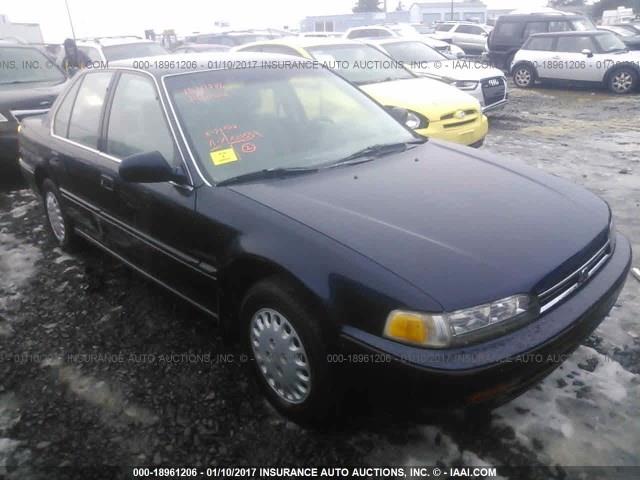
[74,59]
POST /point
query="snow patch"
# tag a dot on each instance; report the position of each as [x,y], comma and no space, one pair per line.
[17,265]
[580,418]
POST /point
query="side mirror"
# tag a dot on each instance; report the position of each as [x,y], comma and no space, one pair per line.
[485,34]
[149,167]
[400,114]
[460,55]
[587,52]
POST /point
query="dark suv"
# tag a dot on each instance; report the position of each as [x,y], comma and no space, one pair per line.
[512,31]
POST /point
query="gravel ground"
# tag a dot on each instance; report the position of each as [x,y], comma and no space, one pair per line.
[99,367]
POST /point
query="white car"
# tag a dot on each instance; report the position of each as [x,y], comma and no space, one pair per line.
[402,30]
[471,37]
[108,49]
[486,83]
[590,56]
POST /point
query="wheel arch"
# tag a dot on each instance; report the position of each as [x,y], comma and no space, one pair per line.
[618,66]
[527,63]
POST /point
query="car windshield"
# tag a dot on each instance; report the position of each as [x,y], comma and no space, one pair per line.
[360,64]
[27,65]
[583,25]
[413,52]
[608,43]
[243,121]
[133,50]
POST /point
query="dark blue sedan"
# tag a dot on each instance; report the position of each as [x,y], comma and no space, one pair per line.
[321,232]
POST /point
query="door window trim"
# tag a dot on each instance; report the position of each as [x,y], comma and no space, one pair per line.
[115,71]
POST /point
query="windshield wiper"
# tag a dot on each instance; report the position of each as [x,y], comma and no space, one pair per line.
[376,151]
[267,173]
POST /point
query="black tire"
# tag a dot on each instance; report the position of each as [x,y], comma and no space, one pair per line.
[622,80]
[524,76]
[64,236]
[281,296]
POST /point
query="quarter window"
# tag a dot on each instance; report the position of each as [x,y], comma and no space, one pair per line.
[542,44]
[86,114]
[574,44]
[61,122]
[535,27]
[136,120]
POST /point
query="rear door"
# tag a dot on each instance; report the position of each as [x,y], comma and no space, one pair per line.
[84,169]
[156,222]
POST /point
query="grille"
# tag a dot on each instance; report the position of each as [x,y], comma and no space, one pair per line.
[561,290]
[451,115]
[493,90]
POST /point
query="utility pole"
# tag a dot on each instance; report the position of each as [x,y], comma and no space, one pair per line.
[451,11]
[73,32]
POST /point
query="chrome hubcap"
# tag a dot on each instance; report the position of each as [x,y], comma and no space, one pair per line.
[523,77]
[622,82]
[280,355]
[54,213]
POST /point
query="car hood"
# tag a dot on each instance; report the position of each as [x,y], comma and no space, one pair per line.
[432,98]
[460,226]
[459,69]
[29,96]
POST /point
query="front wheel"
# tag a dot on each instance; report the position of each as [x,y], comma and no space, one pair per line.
[523,76]
[288,350]
[622,81]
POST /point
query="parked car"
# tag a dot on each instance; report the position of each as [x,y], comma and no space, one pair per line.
[629,38]
[29,83]
[377,32]
[234,38]
[631,27]
[513,30]
[591,57]
[471,37]
[110,49]
[323,234]
[199,47]
[435,109]
[487,84]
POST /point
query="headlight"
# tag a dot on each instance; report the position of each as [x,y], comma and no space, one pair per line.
[466,84]
[461,327]
[415,121]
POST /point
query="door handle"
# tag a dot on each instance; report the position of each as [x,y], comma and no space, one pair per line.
[106,182]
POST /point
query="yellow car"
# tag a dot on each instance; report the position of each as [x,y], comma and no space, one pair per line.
[435,109]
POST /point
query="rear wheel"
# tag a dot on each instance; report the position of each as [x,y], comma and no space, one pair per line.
[288,350]
[59,223]
[623,80]
[524,76]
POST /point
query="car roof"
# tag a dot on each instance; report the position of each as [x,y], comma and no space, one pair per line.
[305,42]
[538,16]
[111,41]
[581,33]
[226,60]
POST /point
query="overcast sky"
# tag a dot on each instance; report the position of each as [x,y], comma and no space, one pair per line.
[117,17]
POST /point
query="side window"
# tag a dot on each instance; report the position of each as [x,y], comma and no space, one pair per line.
[136,122]
[574,44]
[476,30]
[541,44]
[559,26]
[61,122]
[464,29]
[535,27]
[508,31]
[87,111]
[279,49]
[443,27]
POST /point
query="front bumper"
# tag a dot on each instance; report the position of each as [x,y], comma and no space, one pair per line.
[496,370]
[469,134]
